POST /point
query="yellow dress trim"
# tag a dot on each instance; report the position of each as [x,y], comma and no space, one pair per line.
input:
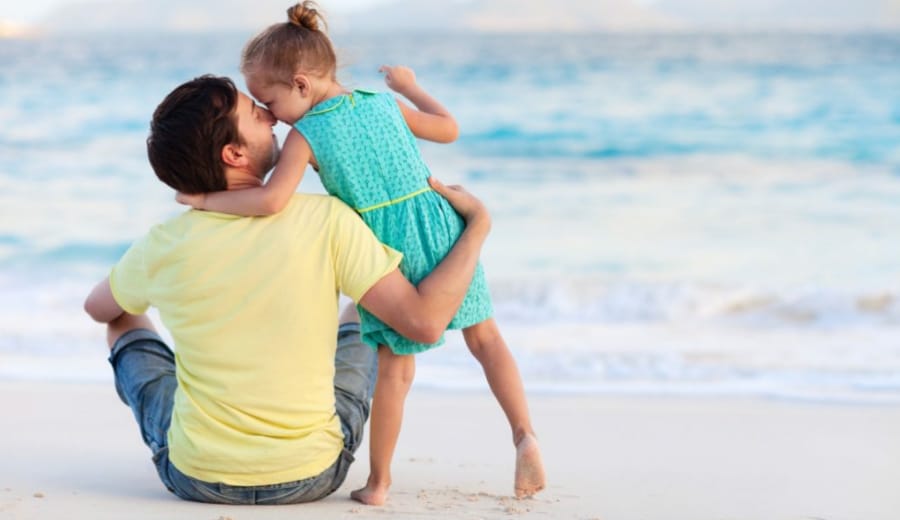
[393,201]
[332,107]
[344,97]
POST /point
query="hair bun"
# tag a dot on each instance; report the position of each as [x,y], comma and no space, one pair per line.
[304,14]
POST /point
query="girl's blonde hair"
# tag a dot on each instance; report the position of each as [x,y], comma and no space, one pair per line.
[296,46]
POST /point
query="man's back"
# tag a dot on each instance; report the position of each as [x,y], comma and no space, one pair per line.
[251,304]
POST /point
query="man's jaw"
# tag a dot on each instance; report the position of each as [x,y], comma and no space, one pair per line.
[276,152]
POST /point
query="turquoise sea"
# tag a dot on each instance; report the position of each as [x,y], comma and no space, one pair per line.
[713,214]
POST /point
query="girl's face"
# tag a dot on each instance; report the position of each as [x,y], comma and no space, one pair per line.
[286,102]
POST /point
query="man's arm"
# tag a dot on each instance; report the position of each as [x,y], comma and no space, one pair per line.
[103,308]
[422,313]
[100,304]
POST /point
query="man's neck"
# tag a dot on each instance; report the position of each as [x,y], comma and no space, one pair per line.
[241,180]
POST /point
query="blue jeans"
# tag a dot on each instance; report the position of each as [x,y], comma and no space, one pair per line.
[144,370]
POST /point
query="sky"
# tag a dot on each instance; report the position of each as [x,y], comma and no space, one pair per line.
[27,12]
[794,13]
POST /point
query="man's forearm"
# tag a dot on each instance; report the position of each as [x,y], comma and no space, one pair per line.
[422,313]
[443,290]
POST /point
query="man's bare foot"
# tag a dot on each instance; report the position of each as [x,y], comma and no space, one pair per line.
[530,476]
[370,495]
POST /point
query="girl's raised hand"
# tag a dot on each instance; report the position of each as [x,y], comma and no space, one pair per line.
[398,78]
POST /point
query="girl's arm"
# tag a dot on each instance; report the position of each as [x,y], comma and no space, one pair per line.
[431,121]
[270,198]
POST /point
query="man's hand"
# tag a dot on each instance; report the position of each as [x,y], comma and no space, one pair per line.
[467,205]
[196,201]
[398,78]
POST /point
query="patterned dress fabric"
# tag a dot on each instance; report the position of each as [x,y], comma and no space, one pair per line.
[368,157]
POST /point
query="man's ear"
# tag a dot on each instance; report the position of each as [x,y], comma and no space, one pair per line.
[233,155]
[301,82]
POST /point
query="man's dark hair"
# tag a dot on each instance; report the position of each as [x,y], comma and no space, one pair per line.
[188,131]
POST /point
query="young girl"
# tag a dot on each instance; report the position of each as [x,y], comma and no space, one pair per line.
[363,146]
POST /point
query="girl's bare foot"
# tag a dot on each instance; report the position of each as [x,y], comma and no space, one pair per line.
[371,495]
[530,476]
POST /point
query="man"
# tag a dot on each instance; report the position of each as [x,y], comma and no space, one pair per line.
[259,404]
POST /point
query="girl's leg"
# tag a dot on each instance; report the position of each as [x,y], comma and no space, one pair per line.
[489,348]
[395,376]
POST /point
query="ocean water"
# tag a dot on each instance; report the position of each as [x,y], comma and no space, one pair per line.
[699,215]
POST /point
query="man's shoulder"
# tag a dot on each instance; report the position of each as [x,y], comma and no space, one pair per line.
[327,212]
[177,225]
[314,203]
[300,203]
[309,209]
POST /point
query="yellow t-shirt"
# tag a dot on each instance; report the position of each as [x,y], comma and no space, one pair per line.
[251,304]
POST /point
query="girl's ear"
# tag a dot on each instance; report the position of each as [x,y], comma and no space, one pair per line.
[301,82]
[233,155]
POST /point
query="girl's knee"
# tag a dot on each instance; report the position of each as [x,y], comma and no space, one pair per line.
[482,337]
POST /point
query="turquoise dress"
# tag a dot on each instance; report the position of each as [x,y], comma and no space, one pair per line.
[368,158]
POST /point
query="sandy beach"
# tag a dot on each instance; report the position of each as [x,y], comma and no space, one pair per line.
[73,451]
[694,213]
